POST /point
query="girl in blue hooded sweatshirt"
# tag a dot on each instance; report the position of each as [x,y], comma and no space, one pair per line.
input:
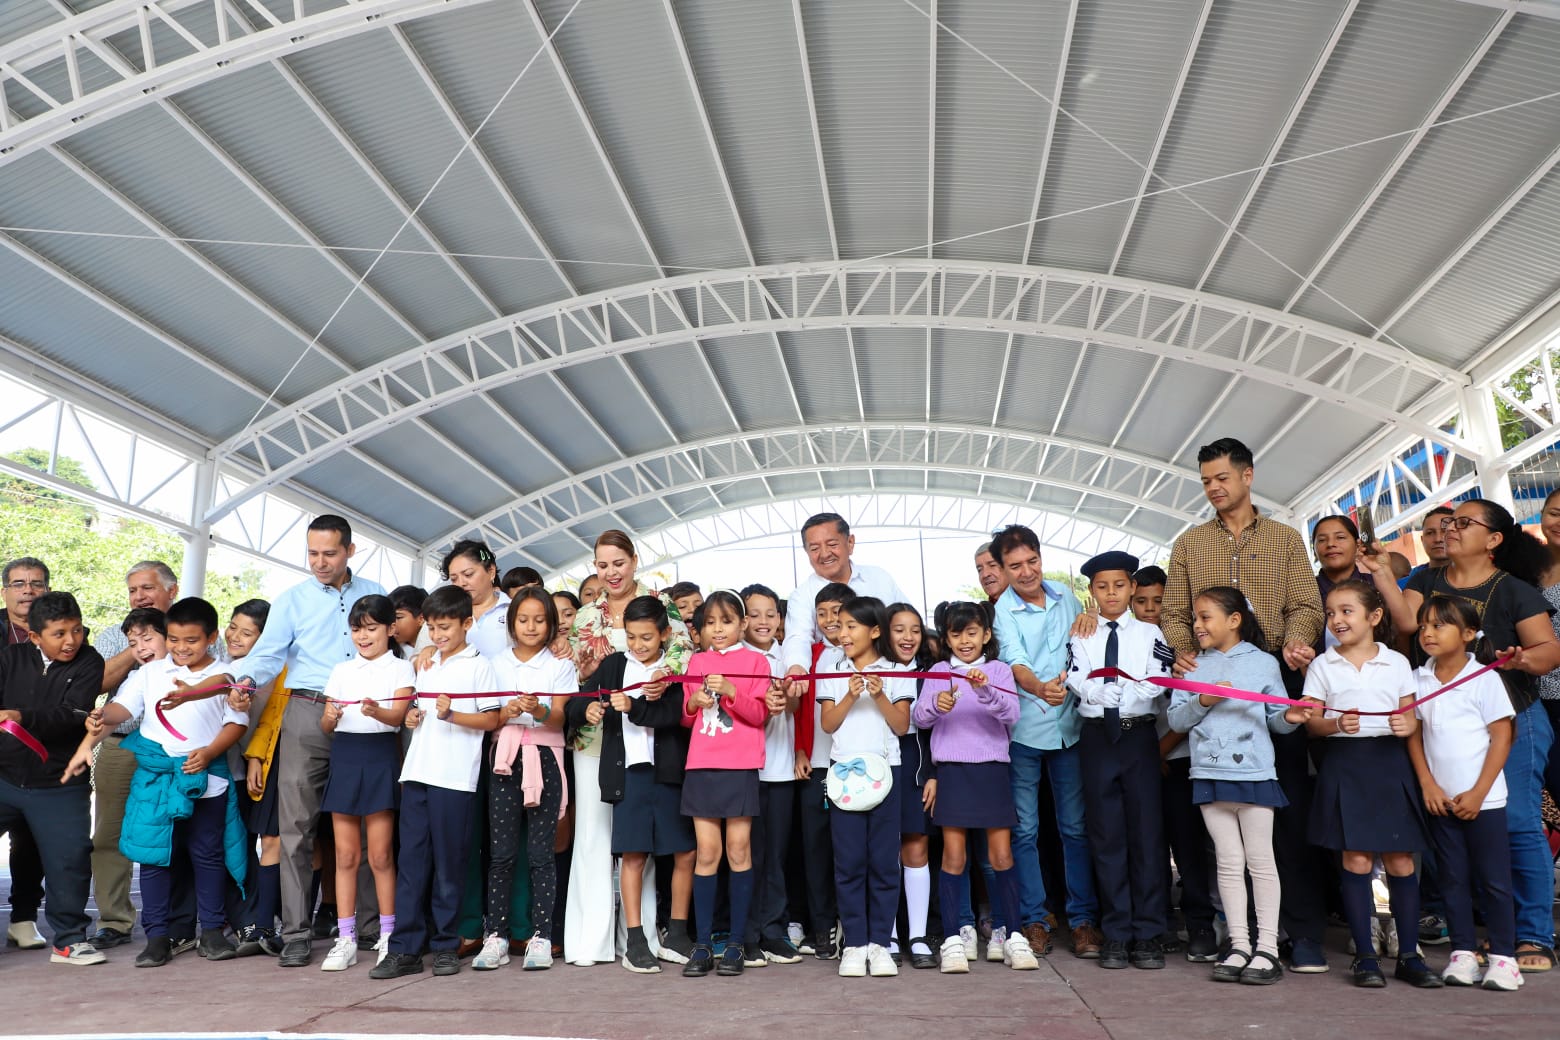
[1233,775]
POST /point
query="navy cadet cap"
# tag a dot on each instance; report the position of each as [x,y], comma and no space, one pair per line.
[1116,560]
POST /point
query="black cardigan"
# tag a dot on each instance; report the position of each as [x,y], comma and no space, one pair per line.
[48,701]
[664,716]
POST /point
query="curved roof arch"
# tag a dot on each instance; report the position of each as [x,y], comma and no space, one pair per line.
[699,227]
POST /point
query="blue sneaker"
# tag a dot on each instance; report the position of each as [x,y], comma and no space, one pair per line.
[1307,958]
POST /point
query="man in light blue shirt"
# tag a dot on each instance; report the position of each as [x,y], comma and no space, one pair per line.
[1033,620]
[307,633]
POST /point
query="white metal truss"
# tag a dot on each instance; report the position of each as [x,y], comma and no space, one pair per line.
[70,74]
[1083,469]
[913,512]
[140,464]
[1399,486]
[1370,379]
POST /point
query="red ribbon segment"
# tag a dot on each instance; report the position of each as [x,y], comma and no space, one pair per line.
[20,733]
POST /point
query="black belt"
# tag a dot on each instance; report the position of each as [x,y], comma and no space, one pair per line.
[1127,721]
[312,696]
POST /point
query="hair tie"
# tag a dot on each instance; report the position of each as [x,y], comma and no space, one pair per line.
[1479,634]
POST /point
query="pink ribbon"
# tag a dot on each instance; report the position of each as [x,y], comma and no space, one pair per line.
[20,733]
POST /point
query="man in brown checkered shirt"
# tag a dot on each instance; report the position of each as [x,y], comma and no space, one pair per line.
[1266,560]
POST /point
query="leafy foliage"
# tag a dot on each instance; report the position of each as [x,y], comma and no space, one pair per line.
[88,552]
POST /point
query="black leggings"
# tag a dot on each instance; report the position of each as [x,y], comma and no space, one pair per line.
[505,804]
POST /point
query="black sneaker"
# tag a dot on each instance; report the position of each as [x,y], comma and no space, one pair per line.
[216,946]
[1146,953]
[182,944]
[701,961]
[396,965]
[825,948]
[1113,954]
[247,940]
[732,962]
[324,924]
[108,938]
[446,962]
[753,955]
[779,951]
[677,947]
[637,956]
[271,943]
[158,952]
[1202,946]
[295,954]
[1170,942]
[367,942]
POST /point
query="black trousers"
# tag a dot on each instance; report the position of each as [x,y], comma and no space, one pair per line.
[60,819]
[771,837]
[812,811]
[26,875]
[1302,909]
[505,806]
[431,868]
[1124,819]
[1475,860]
[1188,838]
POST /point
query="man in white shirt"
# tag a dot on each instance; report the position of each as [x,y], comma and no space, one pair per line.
[828,542]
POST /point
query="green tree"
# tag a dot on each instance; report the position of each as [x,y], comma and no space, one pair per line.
[88,553]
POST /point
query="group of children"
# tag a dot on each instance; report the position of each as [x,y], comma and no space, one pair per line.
[776,800]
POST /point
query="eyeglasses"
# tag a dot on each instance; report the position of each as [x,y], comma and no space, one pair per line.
[18,585]
[1462,522]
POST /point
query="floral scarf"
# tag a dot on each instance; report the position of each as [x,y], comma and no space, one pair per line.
[592,628]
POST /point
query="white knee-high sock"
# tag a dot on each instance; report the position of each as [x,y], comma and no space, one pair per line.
[918,899]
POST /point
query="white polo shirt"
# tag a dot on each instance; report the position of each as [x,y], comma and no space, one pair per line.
[865,730]
[543,673]
[444,754]
[1377,685]
[199,721]
[639,741]
[1457,729]
[364,679]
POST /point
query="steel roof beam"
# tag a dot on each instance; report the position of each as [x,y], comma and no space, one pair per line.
[289,28]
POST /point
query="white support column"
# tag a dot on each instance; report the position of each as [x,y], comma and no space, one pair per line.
[197,543]
[1481,428]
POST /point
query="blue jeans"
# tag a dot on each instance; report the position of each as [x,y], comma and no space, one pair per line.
[1532,867]
[1061,768]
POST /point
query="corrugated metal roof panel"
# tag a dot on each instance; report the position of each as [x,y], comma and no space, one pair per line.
[751,370]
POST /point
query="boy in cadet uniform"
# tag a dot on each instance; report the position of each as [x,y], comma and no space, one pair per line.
[1119,749]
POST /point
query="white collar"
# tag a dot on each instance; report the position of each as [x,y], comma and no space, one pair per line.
[466,651]
[738,645]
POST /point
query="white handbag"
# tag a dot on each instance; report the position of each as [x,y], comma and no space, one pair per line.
[859,784]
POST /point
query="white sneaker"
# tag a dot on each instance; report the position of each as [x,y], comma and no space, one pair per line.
[1503,974]
[971,950]
[880,964]
[954,961]
[794,932]
[1017,954]
[1463,969]
[25,935]
[538,954]
[853,962]
[381,949]
[77,953]
[495,953]
[994,947]
[342,955]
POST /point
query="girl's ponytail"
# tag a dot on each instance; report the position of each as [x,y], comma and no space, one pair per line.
[1519,554]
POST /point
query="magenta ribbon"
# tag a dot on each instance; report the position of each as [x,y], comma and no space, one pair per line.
[20,733]
[1234,693]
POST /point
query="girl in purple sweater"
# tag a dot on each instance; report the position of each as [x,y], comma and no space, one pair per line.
[971,715]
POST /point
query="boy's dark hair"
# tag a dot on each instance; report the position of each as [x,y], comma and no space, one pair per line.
[1454,610]
[519,578]
[1233,601]
[332,522]
[696,623]
[256,610]
[1449,511]
[1226,448]
[479,553]
[549,610]
[1012,538]
[447,601]
[818,519]
[1150,575]
[870,611]
[24,563]
[574,601]
[192,610]
[683,588]
[834,592]
[378,609]
[145,617]
[722,600]
[962,615]
[409,598]
[761,590]
[51,607]
[646,608]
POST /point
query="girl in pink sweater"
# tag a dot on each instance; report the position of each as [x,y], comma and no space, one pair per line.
[726,709]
